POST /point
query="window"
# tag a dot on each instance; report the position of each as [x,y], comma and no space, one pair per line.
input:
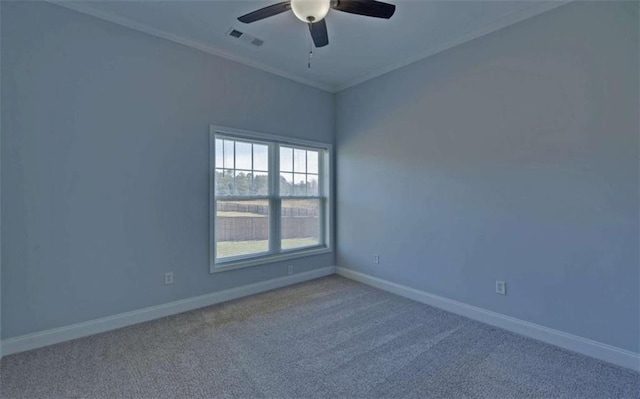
[269,198]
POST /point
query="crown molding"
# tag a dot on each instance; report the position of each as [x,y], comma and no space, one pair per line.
[507,20]
[85,8]
[503,22]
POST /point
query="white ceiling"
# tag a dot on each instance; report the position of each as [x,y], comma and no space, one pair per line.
[359,47]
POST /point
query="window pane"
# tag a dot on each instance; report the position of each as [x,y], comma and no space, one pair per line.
[241,180]
[219,154]
[243,183]
[312,185]
[243,155]
[224,182]
[299,161]
[228,154]
[300,184]
[242,228]
[260,183]
[286,184]
[260,157]
[286,159]
[312,161]
[300,223]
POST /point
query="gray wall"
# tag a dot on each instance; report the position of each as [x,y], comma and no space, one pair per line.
[105,164]
[0,183]
[513,157]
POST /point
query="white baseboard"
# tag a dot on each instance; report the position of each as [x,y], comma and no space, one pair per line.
[79,330]
[564,340]
[598,350]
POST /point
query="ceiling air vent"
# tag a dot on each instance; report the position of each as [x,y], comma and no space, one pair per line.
[245,37]
[235,33]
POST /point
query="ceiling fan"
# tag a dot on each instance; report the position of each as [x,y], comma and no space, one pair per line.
[313,12]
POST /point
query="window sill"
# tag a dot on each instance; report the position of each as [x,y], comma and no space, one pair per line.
[263,260]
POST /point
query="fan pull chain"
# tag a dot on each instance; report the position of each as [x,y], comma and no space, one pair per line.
[310,50]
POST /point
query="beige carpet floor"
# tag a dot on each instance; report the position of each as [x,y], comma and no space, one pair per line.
[327,338]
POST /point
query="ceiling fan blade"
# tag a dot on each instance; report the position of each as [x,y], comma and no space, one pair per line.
[319,33]
[369,8]
[265,12]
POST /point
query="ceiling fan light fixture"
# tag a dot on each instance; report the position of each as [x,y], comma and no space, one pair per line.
[310,10]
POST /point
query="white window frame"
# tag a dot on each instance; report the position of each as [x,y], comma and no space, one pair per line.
[275,253]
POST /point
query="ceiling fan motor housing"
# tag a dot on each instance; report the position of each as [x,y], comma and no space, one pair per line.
[310,10]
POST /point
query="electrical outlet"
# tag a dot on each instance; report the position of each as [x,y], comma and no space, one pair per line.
[501,288]
[376,259]
[290,270]
[168,278]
